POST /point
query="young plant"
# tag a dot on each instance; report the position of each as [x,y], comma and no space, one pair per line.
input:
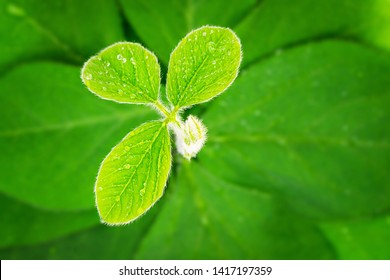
[133,175]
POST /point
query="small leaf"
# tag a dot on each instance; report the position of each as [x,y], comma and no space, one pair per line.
[123,72]
[133,175]
[203,65]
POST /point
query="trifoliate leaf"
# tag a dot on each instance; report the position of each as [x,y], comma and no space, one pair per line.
[133,175]
[203,65]
[123,72]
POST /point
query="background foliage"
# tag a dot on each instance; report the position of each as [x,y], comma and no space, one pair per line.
[297,161]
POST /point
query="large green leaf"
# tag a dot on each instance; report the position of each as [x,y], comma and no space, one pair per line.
[205,217]
[100,242]
[24,225]
[70,29]
[277,24]
[366,239]
[133,175]
[311,125]
[169,21]
[54,134]
[203,65]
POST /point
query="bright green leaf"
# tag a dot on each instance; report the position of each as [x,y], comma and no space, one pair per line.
[162,30]
[24,225]
[203,65]
[133,175]
[205,217]
[54,135]
[312,125]
[68,30]
[123,72]
[361,240]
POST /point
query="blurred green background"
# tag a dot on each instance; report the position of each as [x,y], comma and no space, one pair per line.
[296,165]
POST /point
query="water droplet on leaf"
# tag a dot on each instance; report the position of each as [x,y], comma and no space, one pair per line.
[88,76]
[211,46]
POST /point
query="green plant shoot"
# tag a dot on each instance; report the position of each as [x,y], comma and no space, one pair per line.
[133,175]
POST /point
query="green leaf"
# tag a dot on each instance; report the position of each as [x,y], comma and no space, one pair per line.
[24,225]
[311,125]
[65,29]
[366,239]
[133,175]
[100,242]
[203,65]
[376,23]
[204,217]
[123,72]
[162,30]
[275,25]
[54,135]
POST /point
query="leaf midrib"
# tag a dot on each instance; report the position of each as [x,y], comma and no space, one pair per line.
[135,170]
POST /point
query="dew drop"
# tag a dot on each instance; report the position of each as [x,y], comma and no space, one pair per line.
[88,76]
[204,34]
[126,166]
[212,31]
[124,60]
[119,57]
[146,57]
[107,64]
[142,192]
[120,91]
[104,88]
[214,62]
[211,46]
[117,198]
[100,188]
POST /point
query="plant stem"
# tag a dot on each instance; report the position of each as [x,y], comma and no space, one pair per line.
[162,109]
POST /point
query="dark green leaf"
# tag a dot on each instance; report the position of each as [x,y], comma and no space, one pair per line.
[361,240]
[24,225]
[275,24]
[70,29]
[205,217]
[101,242]
[310,124]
